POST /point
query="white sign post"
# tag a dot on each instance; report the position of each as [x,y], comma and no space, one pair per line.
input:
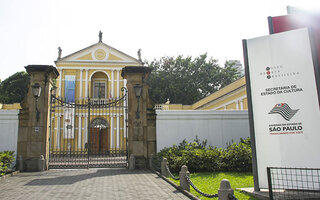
[283,102]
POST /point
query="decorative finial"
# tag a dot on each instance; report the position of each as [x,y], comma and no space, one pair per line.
[59,53]
[100,36]
[139,55]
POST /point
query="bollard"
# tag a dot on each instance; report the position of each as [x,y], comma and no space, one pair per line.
[132,162]
[150,161]
[225,190]
[41,163]
[20,163]
[184,184]
[164,171]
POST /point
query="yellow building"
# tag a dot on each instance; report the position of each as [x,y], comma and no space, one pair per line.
[89,107]
[230,97]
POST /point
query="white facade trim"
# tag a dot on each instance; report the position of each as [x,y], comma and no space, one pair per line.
[230,102]
[223,97]
[91,68]
[99,71]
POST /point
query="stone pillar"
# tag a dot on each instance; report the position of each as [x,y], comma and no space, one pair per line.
[184,184]
[164,171]
[225,190]
[141,118]
[33,136]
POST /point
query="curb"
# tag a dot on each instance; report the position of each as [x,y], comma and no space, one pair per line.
[254,194]
[188,194]
[9,175]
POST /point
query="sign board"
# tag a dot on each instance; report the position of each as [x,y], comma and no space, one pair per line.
[295,21]
[69,113]
[283,101]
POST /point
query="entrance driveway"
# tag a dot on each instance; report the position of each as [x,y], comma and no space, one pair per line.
[88,184]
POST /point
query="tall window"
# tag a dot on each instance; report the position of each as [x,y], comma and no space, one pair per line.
[99,85]
[69,87]
[99,89]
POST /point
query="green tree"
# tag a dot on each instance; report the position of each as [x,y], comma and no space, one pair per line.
[14,88]
[185,80]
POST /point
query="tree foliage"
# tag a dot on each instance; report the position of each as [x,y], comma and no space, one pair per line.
[14,88]
[185,80]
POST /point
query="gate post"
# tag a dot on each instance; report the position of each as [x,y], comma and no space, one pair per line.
[33,136]
[141,115]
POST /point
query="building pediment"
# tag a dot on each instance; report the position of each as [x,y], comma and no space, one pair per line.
[99,53]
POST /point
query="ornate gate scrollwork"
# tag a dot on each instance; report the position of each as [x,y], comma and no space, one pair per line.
[88,132]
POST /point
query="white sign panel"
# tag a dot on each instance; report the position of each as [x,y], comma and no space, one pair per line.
[284,102]
[69,114]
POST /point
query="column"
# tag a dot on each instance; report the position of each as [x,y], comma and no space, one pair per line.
[85,129]
[111,131]
[118,83]
[80,94]
[139,125]
[237,105]
[118,131]
[86,92]
[80,132]
[58,132]
[60,82]
[241,104]
[33,132]
[112,84]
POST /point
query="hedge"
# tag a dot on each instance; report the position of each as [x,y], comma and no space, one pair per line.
[198,157]
[6,160]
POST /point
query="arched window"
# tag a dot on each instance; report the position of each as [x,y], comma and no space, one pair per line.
[99,123]
[99,85]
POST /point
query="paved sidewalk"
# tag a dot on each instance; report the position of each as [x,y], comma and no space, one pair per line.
[88,184]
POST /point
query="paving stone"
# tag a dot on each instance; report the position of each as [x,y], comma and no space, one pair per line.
[88,184]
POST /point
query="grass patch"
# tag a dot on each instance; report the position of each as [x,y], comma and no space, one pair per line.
[209,182]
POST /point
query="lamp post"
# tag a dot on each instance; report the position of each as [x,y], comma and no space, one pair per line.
[138,91]
[36,91]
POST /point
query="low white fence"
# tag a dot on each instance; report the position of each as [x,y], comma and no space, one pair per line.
[217,127]
[9,124]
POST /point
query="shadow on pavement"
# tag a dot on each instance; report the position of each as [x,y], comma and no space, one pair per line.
[61,177]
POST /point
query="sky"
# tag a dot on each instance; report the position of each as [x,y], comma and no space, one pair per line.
[31,31]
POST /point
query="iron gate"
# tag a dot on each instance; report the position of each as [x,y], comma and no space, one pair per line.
[88,132]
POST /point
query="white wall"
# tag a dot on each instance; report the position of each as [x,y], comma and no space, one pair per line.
[218,127]
[9,123]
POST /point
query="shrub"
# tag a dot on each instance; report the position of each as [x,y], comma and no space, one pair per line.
[198,157]
[238,157]
[6,160]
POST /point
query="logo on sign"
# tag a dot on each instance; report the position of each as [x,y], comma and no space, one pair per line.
[268,72]
[278,71]
[284,110]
